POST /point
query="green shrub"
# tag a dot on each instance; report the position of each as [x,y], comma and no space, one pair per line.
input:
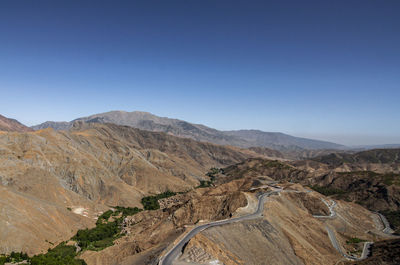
[13,257]
[354,240]
[204,184]
[151,202]
[60,255]
[106,232]
[127,211]
[3,260]
[213,173]
[104,217]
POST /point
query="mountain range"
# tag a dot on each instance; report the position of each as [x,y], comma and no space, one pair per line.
[73,192]
[198,132]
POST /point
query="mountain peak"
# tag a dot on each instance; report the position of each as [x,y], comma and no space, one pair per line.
[241,138]
[12,125]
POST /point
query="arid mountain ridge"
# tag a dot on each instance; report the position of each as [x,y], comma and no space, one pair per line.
[88,168]
[198,132]
[11,125]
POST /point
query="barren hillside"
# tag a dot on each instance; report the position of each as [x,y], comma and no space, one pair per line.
[70,175]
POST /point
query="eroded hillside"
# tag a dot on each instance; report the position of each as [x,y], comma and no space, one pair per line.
[54,183]
[294,229]
[378,190]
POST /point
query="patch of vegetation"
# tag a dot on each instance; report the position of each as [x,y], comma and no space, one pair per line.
[212,174]
[106,231]
[204,184]
[60,255]
[151,202]
[354,240]
[69,209]
[97,238]
[104,217]
[327,191]
[126,211]
[13,257]
[394,219]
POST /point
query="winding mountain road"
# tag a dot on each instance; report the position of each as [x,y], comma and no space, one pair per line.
[387,230]
[176,250]
[331,208]
[332,235]
[173,253]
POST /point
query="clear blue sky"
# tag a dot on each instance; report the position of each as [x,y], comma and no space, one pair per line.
[323,69]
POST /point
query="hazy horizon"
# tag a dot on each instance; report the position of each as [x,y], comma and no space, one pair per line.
[328,71]
[352,140]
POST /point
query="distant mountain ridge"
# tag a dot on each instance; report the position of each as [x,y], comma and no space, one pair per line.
[11,125]
[198,132]
[271,139]
[375,156]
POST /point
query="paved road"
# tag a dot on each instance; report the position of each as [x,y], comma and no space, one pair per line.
[387,229]
[334,241]
[336,245]
[331,208]
[171,255]
[332,235]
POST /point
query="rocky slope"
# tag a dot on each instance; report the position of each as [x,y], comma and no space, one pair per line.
[375,184]
[198,132]
[86,169]
[149,232]
[288,233]
[276,237]
[11,125]
[370,178]
[378,192]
